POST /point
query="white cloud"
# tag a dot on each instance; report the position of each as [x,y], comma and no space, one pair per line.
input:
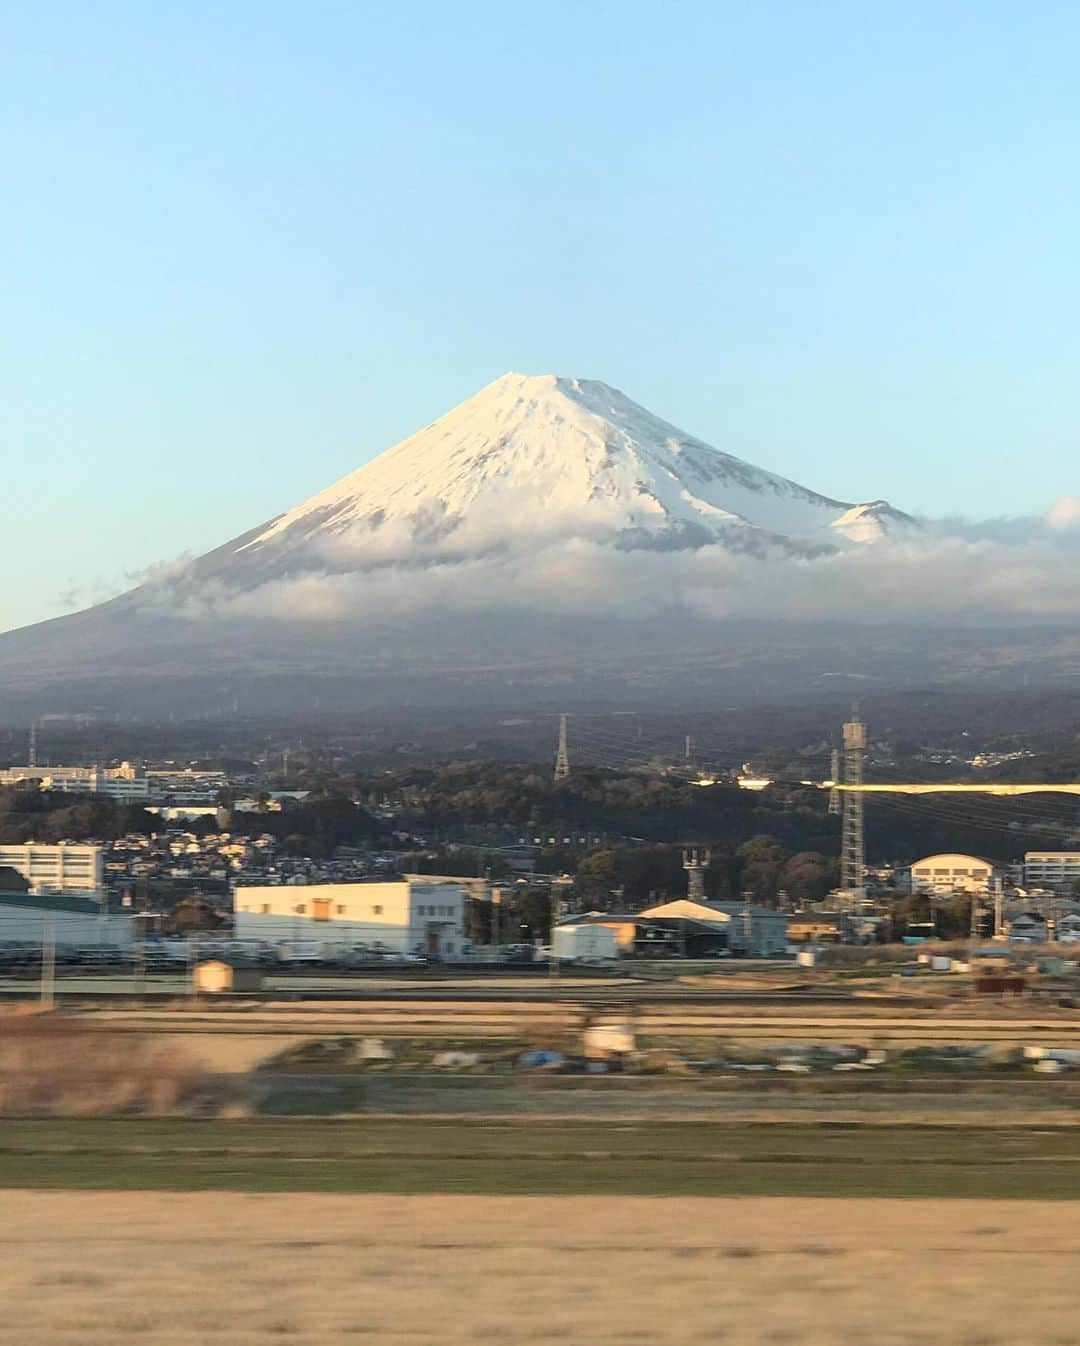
[1064,513]
[1026,572]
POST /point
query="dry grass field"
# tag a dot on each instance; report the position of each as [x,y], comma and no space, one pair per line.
[97,1269]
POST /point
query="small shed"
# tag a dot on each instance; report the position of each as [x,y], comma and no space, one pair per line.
[216,976]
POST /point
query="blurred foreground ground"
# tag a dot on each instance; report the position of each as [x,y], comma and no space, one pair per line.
[99,1268]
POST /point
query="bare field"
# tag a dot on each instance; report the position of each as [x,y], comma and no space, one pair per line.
[234,1037]
[102,1268]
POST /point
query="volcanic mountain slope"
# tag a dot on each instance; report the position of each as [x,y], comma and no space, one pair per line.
[529,461]
[440,553]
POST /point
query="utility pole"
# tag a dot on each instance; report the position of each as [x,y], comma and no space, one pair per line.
[140,965]
[999,894]
[852,853]
[496,903]
[557,886]
[48,961]
[138,922]
[562,755]
[556,912]
[32,754]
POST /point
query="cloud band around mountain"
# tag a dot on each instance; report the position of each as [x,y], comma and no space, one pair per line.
[996,573]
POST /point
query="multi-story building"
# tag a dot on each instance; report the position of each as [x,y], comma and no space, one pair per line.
[1057,870]
[125,783]
[68,867]
[416,914]
[124,789]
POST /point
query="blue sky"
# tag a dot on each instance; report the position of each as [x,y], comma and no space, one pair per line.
[244,247]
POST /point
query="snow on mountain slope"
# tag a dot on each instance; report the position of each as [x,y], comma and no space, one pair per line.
[529,460]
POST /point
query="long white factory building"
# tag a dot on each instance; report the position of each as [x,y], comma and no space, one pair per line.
[416,914]
[67,867]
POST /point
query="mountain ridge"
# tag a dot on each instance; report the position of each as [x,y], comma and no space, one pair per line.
[544,529]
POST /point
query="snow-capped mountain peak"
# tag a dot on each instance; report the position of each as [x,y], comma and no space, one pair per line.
[533,459]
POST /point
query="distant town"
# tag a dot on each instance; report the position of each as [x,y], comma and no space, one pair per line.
[306,863]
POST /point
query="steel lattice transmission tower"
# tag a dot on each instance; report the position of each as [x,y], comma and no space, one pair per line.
[562,756]
[834,793]
[852,849]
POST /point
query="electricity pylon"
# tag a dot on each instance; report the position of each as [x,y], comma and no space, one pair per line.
[852,850]
[562,756]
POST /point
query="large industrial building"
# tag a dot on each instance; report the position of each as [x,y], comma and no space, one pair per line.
[67,867]
[756,932]
[63,918]
[940,875]
[416,914]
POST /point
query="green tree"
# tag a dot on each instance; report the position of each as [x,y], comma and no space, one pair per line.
[808,876]
[597,875]
[763,860]
[530,916]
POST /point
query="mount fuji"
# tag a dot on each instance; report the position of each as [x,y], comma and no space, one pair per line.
[435,564]
[532,461]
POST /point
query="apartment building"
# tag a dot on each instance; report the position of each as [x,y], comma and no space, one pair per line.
[1057,870]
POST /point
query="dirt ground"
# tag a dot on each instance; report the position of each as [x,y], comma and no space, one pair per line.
[102,1268]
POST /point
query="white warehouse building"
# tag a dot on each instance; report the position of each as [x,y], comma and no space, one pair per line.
[415,914]
[67,867]
[953,873]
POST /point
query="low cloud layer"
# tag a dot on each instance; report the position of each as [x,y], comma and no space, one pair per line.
[1001,572]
